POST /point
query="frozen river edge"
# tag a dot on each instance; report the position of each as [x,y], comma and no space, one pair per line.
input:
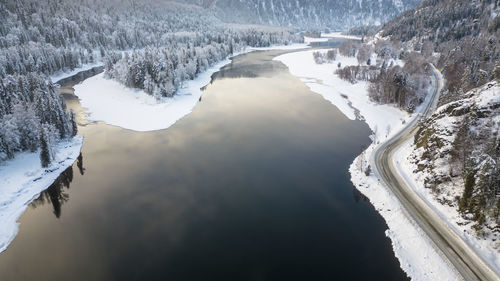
[415,253]
[22,179]
[108,101]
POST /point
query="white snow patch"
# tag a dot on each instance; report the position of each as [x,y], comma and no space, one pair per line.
[109,101]
[22,179]
[344,95]
[487,246]
[415,253]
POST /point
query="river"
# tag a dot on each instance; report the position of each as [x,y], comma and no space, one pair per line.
[252,185]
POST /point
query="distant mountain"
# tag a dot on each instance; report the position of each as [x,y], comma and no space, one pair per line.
[334,14]
[445,20]
[465,33]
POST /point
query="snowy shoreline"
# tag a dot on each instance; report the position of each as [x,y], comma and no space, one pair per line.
[23,179]
[66,74]
[108,101]
[415,253]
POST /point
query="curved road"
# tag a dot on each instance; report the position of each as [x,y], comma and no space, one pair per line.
[463,257]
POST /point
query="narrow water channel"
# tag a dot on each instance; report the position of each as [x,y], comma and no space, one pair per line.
[253,185]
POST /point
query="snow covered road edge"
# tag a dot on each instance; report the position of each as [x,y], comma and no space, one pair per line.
[416,255]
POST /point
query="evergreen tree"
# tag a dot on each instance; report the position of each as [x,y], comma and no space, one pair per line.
[44,150]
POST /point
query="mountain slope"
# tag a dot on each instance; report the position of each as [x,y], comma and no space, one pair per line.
[456,153]
[445,20]
[333,14]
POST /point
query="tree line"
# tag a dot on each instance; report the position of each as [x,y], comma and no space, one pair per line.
[161,70]
[403,84]
[463,38]
[32,115]
[147,44]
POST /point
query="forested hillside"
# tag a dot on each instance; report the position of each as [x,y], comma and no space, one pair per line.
[465,33]
[144,44]
[397,75]
[465,36]
[333,14]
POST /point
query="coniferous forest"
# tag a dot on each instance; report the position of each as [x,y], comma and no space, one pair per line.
[211,142]
[149,45]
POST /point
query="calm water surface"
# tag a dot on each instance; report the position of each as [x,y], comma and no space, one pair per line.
[253,185]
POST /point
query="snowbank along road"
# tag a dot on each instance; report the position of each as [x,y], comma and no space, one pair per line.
[450,245]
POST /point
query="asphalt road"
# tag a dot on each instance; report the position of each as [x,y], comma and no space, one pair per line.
[451,246]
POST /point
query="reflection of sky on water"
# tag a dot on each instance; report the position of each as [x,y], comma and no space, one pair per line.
[252,185]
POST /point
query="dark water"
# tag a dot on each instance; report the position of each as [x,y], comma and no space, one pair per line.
[253,185]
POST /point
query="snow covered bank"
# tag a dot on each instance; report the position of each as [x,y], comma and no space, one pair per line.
[22,179]
[347,97]
[113,103]
[65,74]
[296,46]
[415,254]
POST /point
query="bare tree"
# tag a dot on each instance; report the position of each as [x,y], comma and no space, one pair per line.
[349,48]
[364,54]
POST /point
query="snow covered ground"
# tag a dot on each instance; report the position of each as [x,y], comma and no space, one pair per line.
[415,254]
[111,102]
[22,179]
[488,246]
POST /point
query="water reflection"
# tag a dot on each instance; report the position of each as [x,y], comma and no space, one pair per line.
[252,185]
[81,75]
[248,67]
[56,193]
[79,164]
[358,195]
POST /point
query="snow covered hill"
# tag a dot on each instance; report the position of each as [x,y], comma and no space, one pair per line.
[454,157]
[335,14]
